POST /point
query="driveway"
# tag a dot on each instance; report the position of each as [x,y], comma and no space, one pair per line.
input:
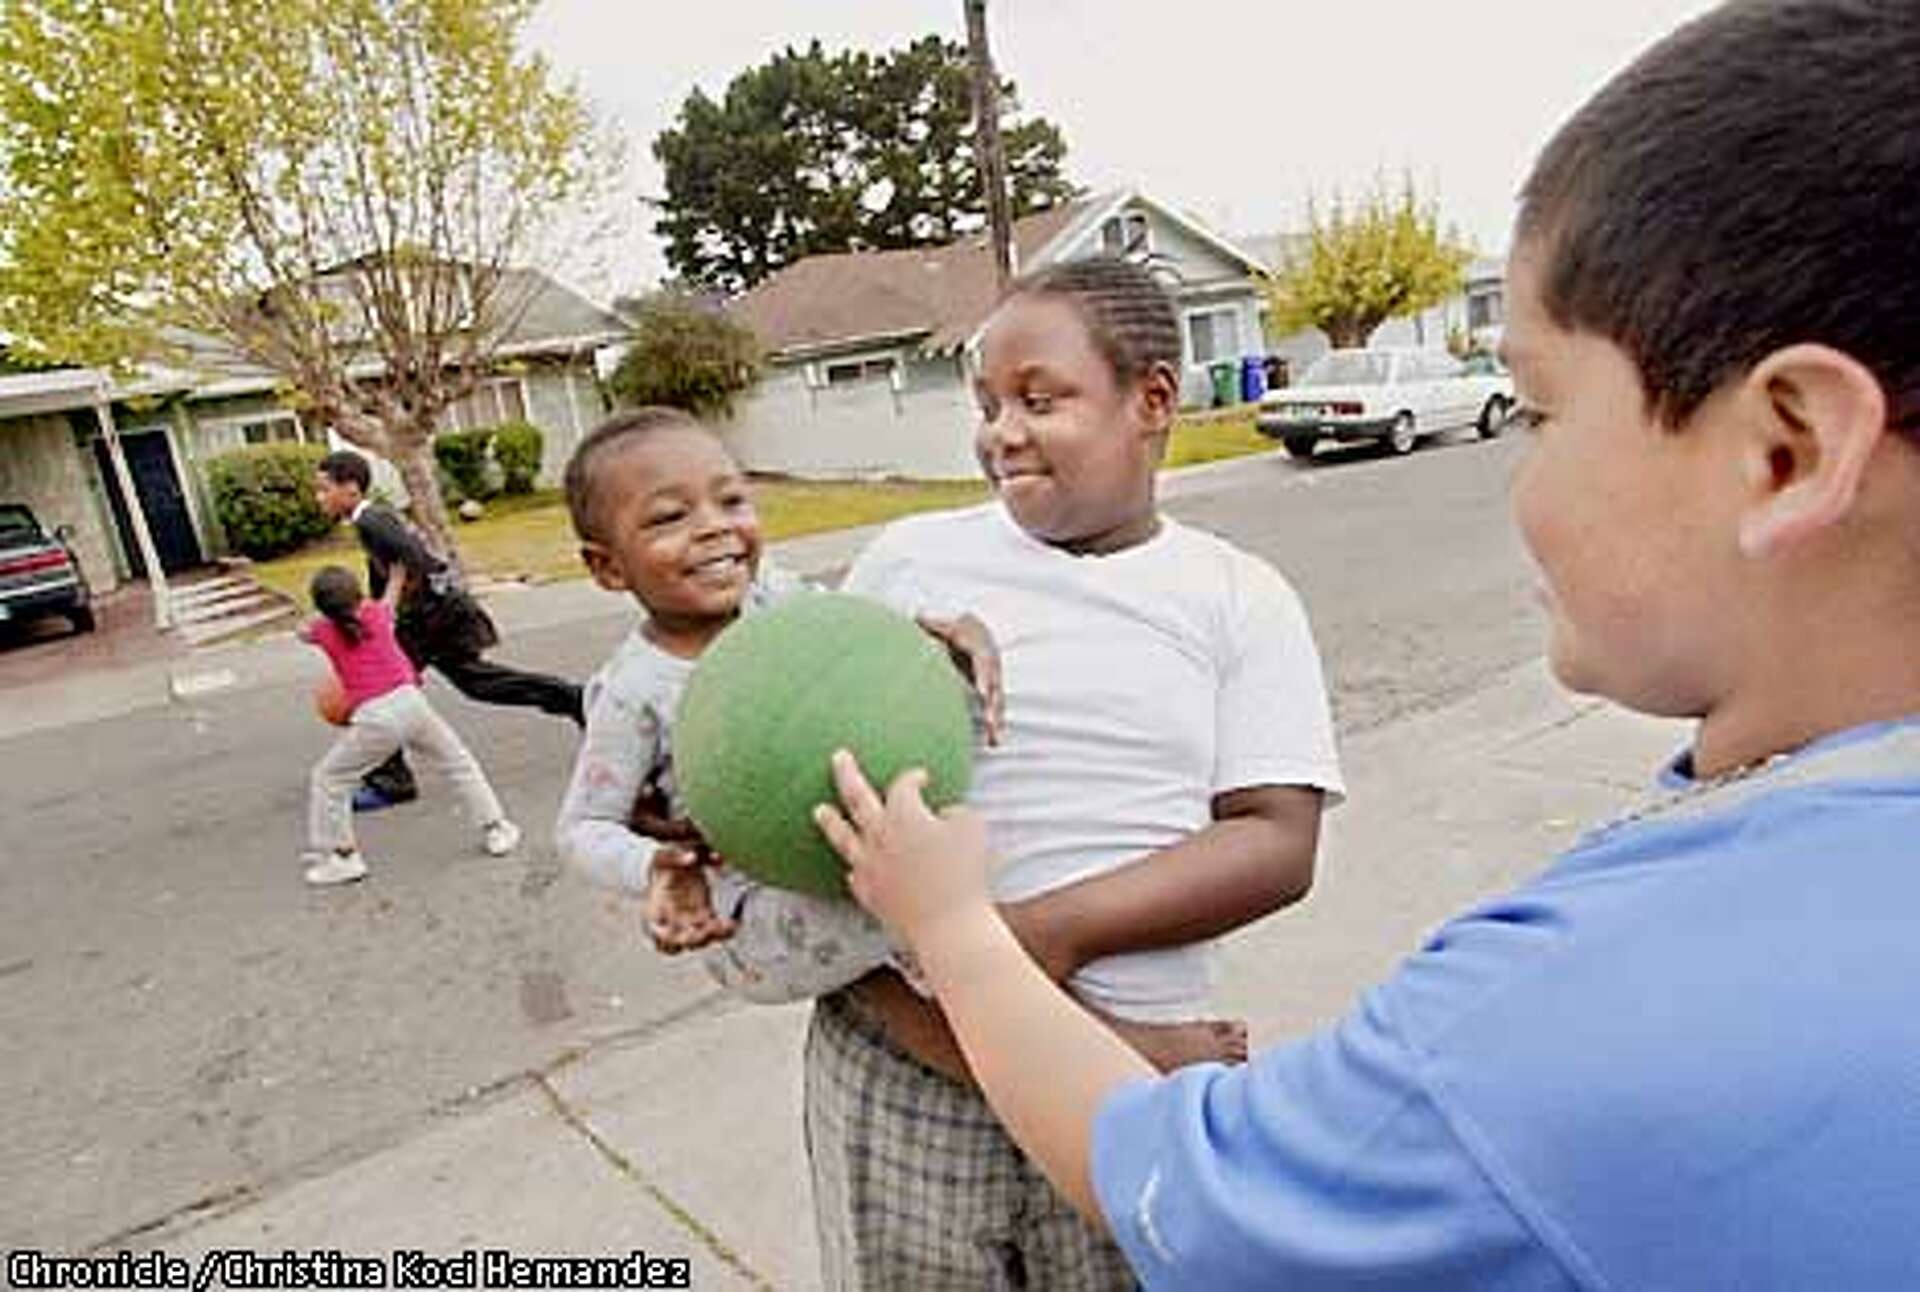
[47,650]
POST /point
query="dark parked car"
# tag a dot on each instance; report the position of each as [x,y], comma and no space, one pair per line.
[39,574]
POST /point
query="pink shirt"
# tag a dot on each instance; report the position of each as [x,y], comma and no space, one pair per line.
[372,667]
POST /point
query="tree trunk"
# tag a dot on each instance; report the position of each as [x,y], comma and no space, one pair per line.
[412,456]
[1344,333]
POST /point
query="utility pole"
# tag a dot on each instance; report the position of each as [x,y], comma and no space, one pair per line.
[993,163]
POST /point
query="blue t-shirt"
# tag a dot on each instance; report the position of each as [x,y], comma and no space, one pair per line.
[1685,1056]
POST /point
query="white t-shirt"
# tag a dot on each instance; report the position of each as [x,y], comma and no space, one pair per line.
[1139,686]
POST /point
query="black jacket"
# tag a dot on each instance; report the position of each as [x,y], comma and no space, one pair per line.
[438,618]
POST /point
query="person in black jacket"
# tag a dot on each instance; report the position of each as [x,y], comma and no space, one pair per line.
[437,620]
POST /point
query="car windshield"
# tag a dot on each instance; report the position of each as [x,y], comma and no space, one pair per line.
[17,526]
[1349,368]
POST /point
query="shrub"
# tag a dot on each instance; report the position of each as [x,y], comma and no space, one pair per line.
[516,447]
[463,456]
[263,495]
[687,355]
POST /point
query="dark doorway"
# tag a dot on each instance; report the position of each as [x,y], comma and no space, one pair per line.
[150,462]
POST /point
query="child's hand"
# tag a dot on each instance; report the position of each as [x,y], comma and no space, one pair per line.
[971,645]
[909,867]
[650,818]
[679,909]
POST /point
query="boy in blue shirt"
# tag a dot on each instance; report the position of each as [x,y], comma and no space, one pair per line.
[1685,1055]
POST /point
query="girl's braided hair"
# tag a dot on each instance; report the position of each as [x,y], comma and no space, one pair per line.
[1128,314]
[336,594]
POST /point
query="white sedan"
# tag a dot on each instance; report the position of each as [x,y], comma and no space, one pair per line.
[1399,395]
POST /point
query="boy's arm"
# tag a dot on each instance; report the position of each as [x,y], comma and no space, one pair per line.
[1255,858]
[593,835]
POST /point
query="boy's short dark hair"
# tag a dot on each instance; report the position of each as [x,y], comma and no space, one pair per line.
[344,466]
[1128,314]
[600,446]
[1751,182]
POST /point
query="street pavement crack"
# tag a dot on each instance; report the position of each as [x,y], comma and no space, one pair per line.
[628,1168]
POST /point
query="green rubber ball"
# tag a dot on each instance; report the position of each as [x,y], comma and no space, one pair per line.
[777,693]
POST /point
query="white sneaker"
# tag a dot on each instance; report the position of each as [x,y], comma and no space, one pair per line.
[500,838]
[337,868]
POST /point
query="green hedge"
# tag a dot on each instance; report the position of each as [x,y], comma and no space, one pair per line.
[488,460]
[516,447]
[462,457]
[263,495]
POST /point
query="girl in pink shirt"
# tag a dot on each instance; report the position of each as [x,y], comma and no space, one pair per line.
[390,712]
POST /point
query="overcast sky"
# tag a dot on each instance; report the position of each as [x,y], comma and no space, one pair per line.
[1234,110]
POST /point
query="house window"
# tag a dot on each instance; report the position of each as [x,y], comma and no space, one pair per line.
[1484,309]
[1125,234]
[845,372]
[1214,334]
[275,428]
[491,403]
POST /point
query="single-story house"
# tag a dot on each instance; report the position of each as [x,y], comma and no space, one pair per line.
[1477,310]
[867,349]
[171,419]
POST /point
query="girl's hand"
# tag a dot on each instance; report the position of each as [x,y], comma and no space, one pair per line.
[972,648]
[911,868]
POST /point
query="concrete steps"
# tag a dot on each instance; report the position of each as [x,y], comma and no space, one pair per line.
[215,609]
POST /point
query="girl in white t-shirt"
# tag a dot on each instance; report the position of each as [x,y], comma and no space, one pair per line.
[1165,753]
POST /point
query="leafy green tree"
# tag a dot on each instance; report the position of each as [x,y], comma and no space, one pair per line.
[1367,262]
[335,189]
[684,354]
[813,152]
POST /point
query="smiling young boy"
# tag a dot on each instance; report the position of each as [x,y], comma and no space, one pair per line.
[1684,1055]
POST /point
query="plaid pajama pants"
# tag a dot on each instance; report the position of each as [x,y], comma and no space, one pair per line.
[917,1188]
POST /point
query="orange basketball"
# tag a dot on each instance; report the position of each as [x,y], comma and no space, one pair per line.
[331,703]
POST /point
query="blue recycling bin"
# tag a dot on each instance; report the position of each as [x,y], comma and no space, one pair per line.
[1253,379]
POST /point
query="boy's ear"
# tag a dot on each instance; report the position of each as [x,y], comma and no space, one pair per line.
[601,565]
[1817,415]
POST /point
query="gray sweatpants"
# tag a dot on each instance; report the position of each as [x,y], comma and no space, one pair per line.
[918,1188]
[400,719]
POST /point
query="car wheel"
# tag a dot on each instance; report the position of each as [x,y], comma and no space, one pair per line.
[1404,434]
[1493,418]
[1300,446]
[81,617]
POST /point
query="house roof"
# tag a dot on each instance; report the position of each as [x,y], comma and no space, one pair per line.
[938,296]
[934,293]
[557,321]
[554,320]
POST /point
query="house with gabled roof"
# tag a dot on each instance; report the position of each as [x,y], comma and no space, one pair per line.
[170,418]
[867,349]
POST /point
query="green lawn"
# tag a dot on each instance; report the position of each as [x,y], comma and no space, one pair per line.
[1209,437]
[530,538]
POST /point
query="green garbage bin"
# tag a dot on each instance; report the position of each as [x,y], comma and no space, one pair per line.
[1226,383]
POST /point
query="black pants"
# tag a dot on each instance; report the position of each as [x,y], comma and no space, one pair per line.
[489,683]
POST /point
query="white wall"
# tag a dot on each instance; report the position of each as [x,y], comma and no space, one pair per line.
[565,410]
[924,431]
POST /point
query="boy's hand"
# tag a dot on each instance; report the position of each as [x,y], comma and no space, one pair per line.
[971,646]
[679,909]
[908,866]
[651,818]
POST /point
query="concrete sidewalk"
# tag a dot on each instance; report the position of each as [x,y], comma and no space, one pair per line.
[687,1142]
